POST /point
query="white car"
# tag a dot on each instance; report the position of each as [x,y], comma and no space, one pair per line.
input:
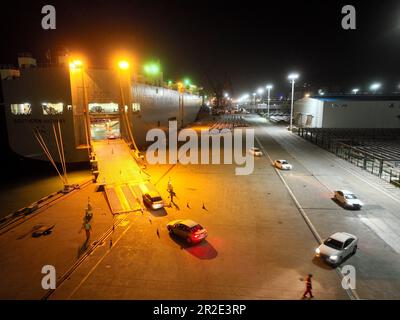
[337,247]
[283,165]
[255,152]
[348,199]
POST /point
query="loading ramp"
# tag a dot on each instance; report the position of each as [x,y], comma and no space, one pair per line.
[120,174]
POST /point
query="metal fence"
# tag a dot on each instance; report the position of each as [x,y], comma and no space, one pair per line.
[374,150]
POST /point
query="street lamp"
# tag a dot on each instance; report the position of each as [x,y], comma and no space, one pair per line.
[375,86]
[78,66]
[123,65]
[254,97]
[260,92]
[125,81]
[292,77]
[355,90]
[268,87]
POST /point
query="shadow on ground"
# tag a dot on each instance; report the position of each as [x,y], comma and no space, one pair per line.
[203,250]
[157,213]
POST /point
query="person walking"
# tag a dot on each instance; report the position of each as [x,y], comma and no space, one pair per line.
[171,192]
[88,228]
[308,287]
[86,221]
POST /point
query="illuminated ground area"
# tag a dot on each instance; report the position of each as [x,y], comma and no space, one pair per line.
[258,245]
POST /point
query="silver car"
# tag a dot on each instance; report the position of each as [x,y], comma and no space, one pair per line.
[337,247]
[283,164]
[348,199]
[255,152]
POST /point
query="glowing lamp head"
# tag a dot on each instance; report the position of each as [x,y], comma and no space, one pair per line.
[75,64]
[123,65]
[355,90]
[375,86]
[293,76]
[269,86]
[152,68]
[260,90]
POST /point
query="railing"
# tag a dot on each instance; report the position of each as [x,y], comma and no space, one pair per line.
[368,149]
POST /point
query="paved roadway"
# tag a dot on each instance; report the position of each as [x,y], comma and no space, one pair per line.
[316,174]
[258,246]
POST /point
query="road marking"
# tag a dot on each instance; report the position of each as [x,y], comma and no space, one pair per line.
[352,293]
[98,262]
[381,230]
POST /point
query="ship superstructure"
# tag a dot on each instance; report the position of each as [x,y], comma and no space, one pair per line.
[80,105]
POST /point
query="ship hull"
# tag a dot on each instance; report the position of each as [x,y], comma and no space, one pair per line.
[155,107]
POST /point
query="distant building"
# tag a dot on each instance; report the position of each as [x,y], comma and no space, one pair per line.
[348,111]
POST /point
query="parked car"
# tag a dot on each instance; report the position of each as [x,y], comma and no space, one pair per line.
[348,199]
[283,165]
[255,152]
[188,230]
[337,247]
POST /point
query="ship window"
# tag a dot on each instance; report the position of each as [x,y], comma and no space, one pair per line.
[21,108]
[136,107]
[52,108]
[103,107]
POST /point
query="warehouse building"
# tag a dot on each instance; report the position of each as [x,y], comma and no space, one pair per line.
[347,111]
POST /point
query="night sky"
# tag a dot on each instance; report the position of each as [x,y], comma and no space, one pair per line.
[250,43]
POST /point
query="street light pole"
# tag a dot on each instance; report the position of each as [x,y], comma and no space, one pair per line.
[269,87]
[292,77]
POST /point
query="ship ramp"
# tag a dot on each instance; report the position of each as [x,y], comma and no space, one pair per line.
[122,177]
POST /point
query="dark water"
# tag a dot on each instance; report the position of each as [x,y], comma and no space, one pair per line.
[23,181]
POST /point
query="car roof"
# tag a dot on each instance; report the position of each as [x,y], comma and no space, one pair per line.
[347,192]
[281,160]
[189,223]
[342,236]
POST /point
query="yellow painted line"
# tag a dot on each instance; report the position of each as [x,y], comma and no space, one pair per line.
[122,199]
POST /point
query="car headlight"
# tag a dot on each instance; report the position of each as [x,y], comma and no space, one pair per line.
[333,257]
[317,251]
